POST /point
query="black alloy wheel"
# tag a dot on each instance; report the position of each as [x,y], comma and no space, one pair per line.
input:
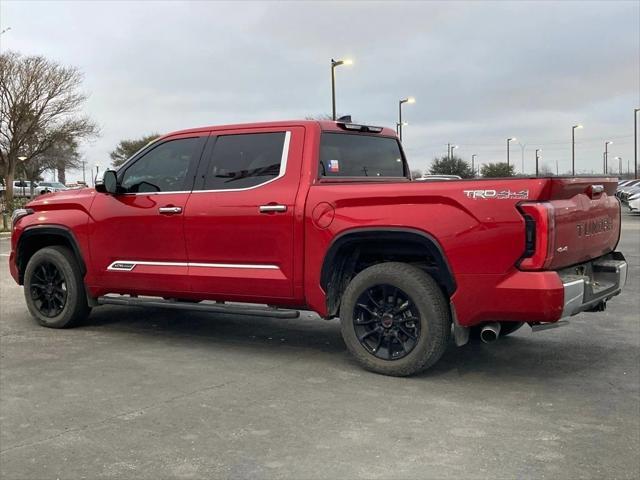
[386,322]
[48,288]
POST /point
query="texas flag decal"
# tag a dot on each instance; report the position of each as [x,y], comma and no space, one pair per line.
[334,166]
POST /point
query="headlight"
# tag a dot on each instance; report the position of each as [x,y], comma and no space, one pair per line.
[18,213]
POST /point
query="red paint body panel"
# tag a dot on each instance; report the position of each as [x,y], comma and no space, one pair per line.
[221,247]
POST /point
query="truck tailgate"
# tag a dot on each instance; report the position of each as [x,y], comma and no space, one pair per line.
[586,219]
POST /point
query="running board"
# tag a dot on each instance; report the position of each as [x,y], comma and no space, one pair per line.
[199,307]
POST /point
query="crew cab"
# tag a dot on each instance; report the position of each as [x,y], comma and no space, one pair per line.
[266,219]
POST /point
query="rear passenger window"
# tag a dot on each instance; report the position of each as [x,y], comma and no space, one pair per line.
[245,160]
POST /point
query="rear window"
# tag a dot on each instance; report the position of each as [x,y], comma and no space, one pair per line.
[346,155]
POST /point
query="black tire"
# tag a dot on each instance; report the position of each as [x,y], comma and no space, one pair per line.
[54,289]
[506,328]
[430,330]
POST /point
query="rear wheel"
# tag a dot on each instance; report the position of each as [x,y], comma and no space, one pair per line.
[395,319]
[54,288]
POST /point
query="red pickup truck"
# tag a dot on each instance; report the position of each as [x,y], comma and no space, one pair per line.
[321,215]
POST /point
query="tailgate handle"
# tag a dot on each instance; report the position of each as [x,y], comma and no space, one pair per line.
[595,190]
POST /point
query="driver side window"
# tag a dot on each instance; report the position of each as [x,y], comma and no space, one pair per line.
[163,169]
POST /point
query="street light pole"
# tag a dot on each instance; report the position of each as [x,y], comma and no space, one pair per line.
[84,179]
[619,165]
[538,150]
[473,158]
[573,149]
[606,155]
[509,140]
[334,64]
[404,100]
[450,150]
[635,141]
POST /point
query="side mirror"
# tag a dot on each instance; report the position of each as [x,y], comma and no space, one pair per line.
[109,183]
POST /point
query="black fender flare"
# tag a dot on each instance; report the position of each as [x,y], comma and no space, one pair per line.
[47,230]
[390,234]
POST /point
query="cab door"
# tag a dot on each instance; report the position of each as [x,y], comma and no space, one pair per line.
[239,221]
[137,241]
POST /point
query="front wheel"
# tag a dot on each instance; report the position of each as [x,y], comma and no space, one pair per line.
[395,319]
[54,288]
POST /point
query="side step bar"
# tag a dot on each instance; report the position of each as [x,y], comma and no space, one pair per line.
[255,311]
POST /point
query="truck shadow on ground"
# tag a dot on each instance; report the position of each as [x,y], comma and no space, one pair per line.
[548,355]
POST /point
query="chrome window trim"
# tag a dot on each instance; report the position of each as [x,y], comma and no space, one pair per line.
[135,263]
[283,170]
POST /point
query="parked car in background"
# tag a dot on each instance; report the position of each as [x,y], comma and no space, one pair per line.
[76,185]
[22,189]
[48,187]
[627,189]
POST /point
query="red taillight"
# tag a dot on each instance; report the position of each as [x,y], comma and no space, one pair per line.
[539,235]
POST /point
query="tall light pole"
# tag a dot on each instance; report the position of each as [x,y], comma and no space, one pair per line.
[334,64]
[573,148]
[619,165]
[404,124]
[404,100]
[509,140]
[635,142]
[450,149]
[473,161]
[538,150]
[606,155]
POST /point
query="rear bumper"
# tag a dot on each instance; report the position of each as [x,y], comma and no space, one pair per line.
[588,285]
[539,297]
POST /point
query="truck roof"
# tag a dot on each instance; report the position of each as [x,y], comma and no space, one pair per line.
[325,125]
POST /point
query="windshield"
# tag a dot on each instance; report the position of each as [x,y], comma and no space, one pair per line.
[348,155]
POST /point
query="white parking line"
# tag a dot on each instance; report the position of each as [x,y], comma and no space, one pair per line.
[4,254]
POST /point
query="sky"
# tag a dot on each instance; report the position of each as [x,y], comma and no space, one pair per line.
[480,71]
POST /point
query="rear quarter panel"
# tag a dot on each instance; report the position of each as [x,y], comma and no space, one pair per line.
[479,233]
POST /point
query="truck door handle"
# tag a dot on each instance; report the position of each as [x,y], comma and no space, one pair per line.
[272,208]
[170,210]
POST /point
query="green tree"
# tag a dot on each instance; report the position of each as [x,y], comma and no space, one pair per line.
[497,170]
[451,166]
[416,173]
[126,148]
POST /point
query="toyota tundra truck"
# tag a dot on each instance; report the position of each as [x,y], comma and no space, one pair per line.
[267,219]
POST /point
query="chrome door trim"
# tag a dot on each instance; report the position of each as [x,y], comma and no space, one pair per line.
[128,265]
[281,173]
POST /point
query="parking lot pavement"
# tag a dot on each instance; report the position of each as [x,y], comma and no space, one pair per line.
[158,394]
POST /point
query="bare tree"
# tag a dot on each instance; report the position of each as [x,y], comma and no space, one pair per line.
[40,106]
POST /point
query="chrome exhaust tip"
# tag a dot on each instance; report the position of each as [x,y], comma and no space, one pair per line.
[490,332]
